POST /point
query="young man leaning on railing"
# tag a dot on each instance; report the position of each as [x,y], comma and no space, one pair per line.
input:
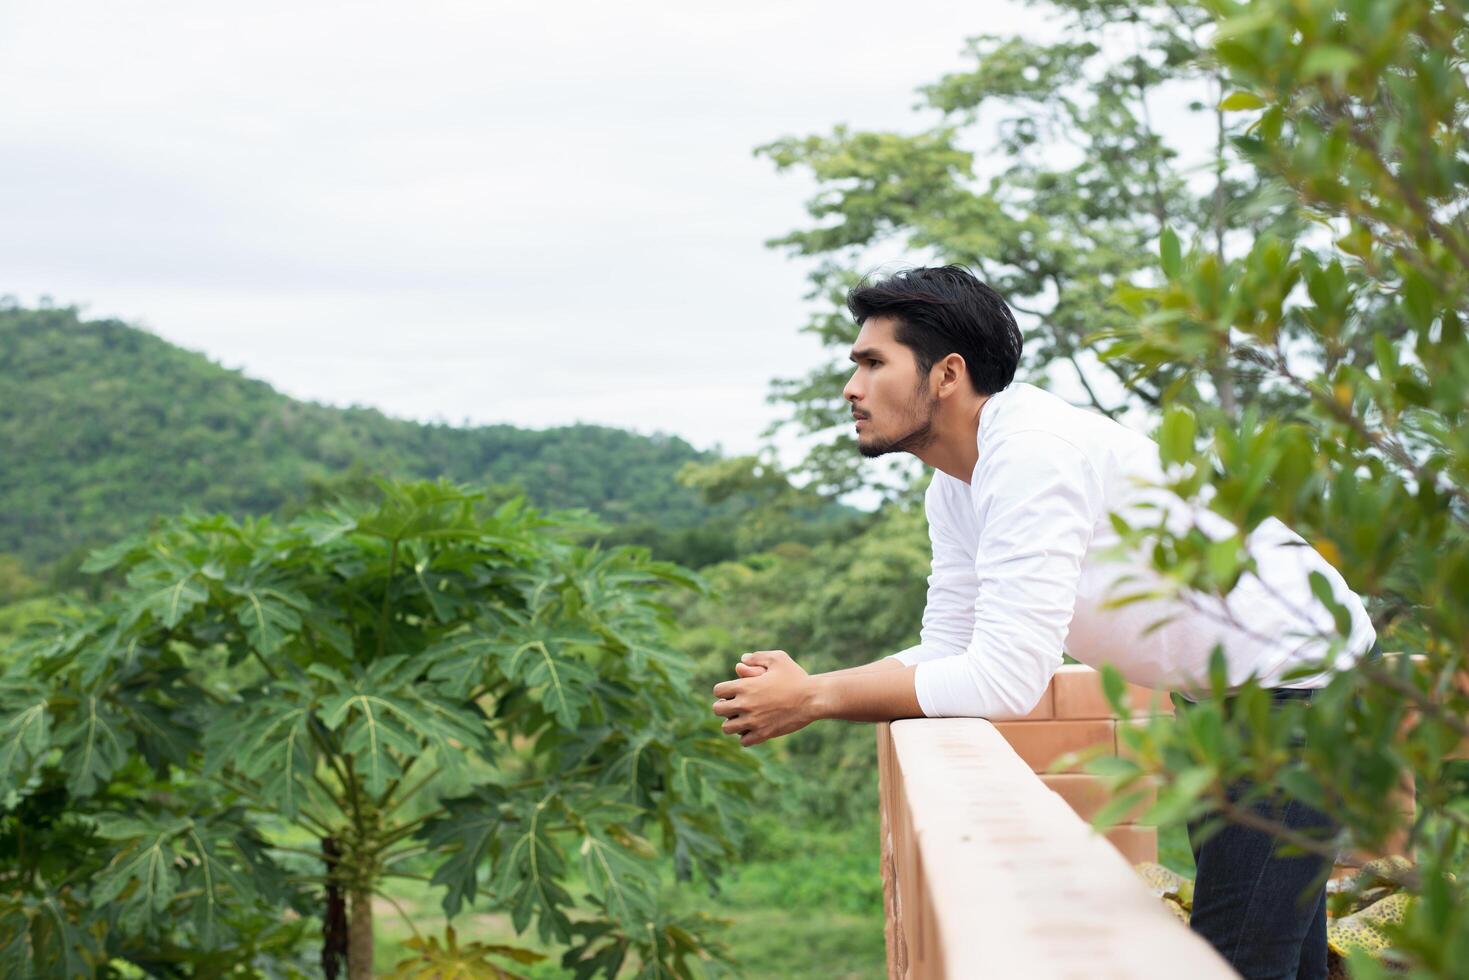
[1018,520]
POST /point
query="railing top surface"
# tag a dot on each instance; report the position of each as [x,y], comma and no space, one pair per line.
[1020,886]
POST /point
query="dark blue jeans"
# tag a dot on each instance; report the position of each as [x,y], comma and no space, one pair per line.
[1265,913]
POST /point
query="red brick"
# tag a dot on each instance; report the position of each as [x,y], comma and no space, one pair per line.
[1077,690]
[1137,843]
[1087,794]
[1040,743]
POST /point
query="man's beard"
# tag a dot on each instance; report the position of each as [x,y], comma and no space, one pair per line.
[918,438]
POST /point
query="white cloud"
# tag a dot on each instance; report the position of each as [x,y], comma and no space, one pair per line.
[490,211]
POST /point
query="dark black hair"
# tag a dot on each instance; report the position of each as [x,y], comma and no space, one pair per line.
[946,310]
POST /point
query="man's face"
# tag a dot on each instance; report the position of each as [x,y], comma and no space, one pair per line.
[889,398]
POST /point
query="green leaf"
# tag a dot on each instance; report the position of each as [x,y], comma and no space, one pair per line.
[1236,101]
[96,741]
[1321,589]
[1116,808]
[269,615]
[143,877]
[215,878]
[326,526]
[373,730]
[1177,797]
[111,556]
[537,656]
[1329,60]
[706,769]
[468,837]
[1171,253]
[1176,436]
[166,590]
[460,661]
[269,742]
[1115,689]
[527,875]
[24,734]
[626,885]
[42,937]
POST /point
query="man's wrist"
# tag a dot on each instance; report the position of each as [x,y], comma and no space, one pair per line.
[821,699]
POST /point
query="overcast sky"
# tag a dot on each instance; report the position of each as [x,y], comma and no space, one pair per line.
[488,211]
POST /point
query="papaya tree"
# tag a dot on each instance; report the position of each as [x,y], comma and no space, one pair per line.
[272,716]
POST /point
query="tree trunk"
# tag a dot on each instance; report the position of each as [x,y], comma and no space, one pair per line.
[359,938]
[334,918]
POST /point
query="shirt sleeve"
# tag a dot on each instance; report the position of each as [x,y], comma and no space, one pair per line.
[948,613]
[1036,502]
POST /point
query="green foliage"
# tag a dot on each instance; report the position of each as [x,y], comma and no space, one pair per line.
[1357,325]
[412,677]
[103,427]
[15,584]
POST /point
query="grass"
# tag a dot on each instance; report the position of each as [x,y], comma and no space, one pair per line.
[808,906]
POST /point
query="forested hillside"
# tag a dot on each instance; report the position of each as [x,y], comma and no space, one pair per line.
[103,426]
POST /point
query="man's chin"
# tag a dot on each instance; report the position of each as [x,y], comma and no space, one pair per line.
[872,450]
[911,443]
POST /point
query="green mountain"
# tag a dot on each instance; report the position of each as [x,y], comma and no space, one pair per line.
[103,426]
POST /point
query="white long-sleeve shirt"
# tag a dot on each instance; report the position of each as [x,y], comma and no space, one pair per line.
[1020,573]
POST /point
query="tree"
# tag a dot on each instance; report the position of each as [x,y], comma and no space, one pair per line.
[265,713]
[1359,109]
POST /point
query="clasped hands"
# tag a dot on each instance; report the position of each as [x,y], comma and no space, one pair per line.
[771,696]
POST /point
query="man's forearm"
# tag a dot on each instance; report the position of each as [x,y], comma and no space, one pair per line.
[886,663]
[880,691]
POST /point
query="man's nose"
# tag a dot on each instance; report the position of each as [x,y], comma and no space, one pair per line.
[849,390]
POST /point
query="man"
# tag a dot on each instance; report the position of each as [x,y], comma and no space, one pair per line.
[1018,514]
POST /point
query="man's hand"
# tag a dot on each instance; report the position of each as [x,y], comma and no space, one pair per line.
[771,697]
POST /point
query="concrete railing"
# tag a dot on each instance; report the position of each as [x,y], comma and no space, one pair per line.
[989,871]
[990,868]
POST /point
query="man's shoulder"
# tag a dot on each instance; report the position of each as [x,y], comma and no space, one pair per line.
[942,490]
[1026,408]
[1033,422]
[946,498]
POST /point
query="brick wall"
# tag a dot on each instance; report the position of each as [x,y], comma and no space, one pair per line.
[986,873]
[1072,716]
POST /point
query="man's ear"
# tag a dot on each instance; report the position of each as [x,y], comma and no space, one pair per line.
[952,373]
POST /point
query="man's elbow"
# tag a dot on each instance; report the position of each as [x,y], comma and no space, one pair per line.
[1014,706]
[1007,698]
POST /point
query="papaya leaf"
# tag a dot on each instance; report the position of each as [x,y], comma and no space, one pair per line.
[268,613]
[268,741]
[538,656]
[527,876]
[143,877]
[461,661]
[95,740]
[25,731]
[468,836]
[378,730]
[166,590]
[624,883]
